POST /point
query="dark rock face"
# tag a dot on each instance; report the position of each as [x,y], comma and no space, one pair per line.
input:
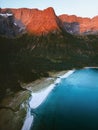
[9,26]
[72,28]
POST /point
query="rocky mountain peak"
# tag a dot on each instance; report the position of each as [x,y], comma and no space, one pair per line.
[37,21]
[43,22]
[85,25]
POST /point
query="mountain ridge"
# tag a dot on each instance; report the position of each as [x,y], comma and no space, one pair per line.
[85,24]
[45,21]
[37,21]
[27,57]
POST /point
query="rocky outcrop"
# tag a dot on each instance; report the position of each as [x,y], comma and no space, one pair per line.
[43,22]
[39,22]
[9,26]
[85,25]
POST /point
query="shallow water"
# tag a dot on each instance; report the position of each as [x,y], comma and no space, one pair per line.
[73,104]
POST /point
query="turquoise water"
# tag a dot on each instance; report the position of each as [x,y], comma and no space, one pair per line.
[72,105]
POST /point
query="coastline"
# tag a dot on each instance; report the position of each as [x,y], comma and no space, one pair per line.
[43,83]
[38,97]
[15,106]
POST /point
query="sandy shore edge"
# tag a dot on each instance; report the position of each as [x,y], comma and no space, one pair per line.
[43,83]
[18,102]
[37,97]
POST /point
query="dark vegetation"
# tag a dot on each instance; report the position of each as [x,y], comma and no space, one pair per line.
[27,58]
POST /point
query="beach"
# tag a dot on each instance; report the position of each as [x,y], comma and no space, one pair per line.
[15,106]
[38,97]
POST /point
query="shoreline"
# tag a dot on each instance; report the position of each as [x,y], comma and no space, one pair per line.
[38,97]
[19,102]
[43,83]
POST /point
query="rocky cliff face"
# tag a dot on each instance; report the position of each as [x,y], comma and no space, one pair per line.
[45,21]
[38,21]
[9,26]
[85,25]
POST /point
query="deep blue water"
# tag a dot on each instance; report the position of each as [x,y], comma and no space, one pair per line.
[72,105]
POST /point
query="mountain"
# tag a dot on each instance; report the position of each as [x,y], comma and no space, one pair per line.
[45,21]
[8,27]
[79,25]
[25,57]
[36,21]
[34,43]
